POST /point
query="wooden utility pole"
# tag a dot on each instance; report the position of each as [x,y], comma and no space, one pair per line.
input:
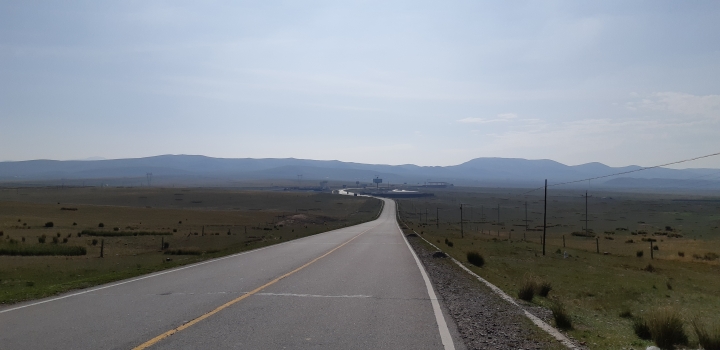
[462,232]
[102,247]
[437,217]
[498,221]
[545,218]
[426,216]
[597,244]
[651,250]
[526,223]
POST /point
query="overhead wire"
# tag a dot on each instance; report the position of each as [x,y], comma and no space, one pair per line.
[624,172]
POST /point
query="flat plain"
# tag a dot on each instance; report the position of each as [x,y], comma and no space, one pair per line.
[142,230]
[605,291]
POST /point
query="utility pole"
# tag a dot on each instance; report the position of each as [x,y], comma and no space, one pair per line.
[426,216]
[498,222]
[586,212]
[545,218]
[526,223]
[437,217]
[462,233]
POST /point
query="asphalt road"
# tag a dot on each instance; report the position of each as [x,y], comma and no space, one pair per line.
[359,287]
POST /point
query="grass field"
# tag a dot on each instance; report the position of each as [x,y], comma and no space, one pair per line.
[602,292]
[193,224]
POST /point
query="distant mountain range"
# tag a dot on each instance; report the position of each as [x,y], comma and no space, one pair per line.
[477,172]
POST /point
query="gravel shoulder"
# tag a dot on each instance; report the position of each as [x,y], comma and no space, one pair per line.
[483,319]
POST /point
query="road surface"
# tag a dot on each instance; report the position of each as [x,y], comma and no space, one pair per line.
[359,287]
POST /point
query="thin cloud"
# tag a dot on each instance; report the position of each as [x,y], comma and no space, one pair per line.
[503,117]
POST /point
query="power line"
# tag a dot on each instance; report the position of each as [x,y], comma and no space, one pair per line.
[625,172]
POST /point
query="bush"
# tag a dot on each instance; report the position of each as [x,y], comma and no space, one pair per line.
[641,329]
[449,243]
[42,250]
[42,238]
[649,268]
[65,240]
[123,233]
[116,229]
[101,225]
[708,337]
[681,254]
[183,252]
[639,253]
[49,224]
[74,223]
[667,328]
[94,242]
[560,315]
[527,290]
[626,313]
[476,259]
[544,288]
[55,240]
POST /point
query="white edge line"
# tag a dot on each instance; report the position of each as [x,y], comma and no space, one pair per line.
[160,273]
[439,317]
[537,321]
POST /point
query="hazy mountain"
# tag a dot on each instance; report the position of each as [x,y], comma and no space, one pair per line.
[479,171]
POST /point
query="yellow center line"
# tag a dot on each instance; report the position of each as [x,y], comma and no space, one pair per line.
[160,337]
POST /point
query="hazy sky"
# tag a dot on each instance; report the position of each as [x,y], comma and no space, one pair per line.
[430,83]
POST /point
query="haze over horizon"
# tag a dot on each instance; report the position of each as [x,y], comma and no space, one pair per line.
[369,82]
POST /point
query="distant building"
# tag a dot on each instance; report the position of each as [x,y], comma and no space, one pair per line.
[437,184]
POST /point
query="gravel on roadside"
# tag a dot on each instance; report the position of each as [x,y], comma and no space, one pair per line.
[483,319]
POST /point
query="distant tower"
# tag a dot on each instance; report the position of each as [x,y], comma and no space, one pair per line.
[149,178]
[377,181]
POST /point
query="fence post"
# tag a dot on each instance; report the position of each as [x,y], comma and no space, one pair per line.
[102,247]
[162,243]
[651,250]
[563,241]
[597,244]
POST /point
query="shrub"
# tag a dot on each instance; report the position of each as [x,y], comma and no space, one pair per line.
[626,313]
[544,288]
[560,315]
[711,256]
[629,241]
[649,268]
[58,234]
[116,229]
[65,240]
[449,242]
[49,224]
[681,254]
[42,239]
[94,242]
[527,290]
[74,223]
[55,240]
[183,252]
[641,329]
[122,233]
[656,247]
[166,245]
[42,250]
[708,337]
[667,328]
[476,259]
[639,253]
[101,225]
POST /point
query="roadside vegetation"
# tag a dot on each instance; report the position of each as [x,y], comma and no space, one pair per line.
[627,295]
[51,239]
